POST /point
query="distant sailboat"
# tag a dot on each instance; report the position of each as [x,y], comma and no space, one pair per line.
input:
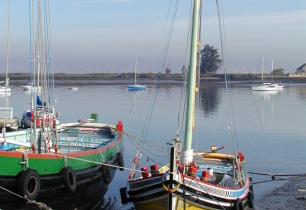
[135,86]
[5,90]
[265,86]
[277,86]
[31,87]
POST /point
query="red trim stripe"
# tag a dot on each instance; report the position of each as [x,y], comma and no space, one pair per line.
[55,156]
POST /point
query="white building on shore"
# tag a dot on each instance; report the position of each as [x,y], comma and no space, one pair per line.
[300,71]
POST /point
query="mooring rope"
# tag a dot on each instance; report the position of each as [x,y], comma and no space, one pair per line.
[274,177]
[40,205]
[95,162]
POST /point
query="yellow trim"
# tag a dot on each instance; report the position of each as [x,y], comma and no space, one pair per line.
[171,190]
[218,156]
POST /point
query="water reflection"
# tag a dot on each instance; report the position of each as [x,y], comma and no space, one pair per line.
[209,98]
[262,97]
[301,92]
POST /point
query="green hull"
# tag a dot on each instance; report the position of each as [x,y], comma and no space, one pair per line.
[14,162]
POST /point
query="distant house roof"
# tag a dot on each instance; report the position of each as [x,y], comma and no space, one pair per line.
[302,68]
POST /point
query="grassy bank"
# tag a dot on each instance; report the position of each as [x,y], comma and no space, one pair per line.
[145,78]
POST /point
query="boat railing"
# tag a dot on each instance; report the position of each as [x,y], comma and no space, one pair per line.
[6,113]
[70,139]
[21,138]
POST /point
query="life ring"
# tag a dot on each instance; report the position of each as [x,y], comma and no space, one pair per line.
[106,173]
[167,188]
[29,184]
[120,161]
[70,180]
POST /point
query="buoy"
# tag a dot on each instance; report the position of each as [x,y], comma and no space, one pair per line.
[205,176]
[120,127]
[192,170]
[241,156]
[145,172]
[154,169]
[29,184]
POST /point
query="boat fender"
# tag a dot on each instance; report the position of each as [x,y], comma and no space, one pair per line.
[251,194]
[166,185]
[106,173]
[123,195]
[70,180]
[171,190]
[120,161]
[237,205]
[29,184]
[251,199]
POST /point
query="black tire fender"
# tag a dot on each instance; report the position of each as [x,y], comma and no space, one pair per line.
[29,184]
[237,205]
[120,161]
[70,180]
[123,195]
[250,200]
[106,173]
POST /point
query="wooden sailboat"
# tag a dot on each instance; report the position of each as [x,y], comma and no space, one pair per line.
[135,86]
[192,180]
[50,161]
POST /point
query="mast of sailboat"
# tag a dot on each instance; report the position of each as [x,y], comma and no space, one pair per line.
[262,66]
[272,66]
[7,68]
[191,84]
[135,69]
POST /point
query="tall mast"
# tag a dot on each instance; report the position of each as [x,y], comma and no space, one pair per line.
[272,67]
[262,66]
[191,83]
[135,68]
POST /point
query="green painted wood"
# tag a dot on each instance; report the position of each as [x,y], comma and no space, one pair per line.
[11,166]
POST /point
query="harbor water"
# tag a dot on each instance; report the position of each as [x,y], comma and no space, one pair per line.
[269,127]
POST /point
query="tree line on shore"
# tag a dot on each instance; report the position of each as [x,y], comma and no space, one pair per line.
[209,64]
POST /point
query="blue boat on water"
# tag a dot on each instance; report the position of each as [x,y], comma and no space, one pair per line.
[135,86]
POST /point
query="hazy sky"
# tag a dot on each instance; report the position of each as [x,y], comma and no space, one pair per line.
[108,35]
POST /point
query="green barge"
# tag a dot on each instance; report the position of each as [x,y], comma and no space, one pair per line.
[60,162]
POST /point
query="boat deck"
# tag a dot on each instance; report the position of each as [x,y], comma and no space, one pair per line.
[71,138]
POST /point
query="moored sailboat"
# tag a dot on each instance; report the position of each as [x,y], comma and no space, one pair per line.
[192,180]
[135,86]
[264,86]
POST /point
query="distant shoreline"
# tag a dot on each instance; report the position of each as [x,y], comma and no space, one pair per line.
[146,78]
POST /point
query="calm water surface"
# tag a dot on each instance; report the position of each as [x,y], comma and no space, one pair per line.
[270,127]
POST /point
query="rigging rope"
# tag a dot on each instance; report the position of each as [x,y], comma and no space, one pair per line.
[223,66]
[149,114]
[232,125]
[6,84]
[182,103]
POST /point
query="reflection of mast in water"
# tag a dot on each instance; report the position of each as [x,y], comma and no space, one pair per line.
[134,103]
[265,96]
[262,113]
